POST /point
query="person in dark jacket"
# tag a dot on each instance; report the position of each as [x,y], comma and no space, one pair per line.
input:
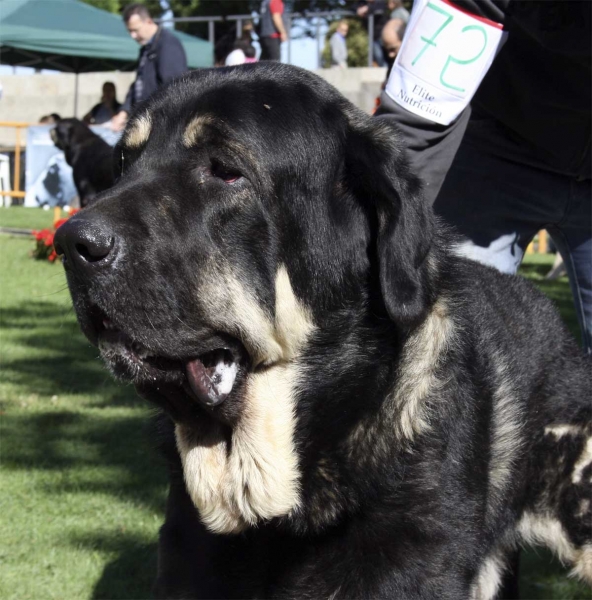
[162,58]
[517,159]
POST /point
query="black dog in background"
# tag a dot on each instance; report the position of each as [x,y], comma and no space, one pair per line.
[89,156]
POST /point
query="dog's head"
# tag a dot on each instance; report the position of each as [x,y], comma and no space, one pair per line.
[69,132]
[256,211]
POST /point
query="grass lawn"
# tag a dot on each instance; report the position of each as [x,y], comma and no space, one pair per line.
[26,218]
[83,488]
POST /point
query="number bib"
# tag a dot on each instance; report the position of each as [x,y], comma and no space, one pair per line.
[444,56]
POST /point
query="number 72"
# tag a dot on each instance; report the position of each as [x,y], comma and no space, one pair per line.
[450,59]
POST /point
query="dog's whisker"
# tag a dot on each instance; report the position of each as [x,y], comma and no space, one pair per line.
[185,324]
[55,292]
[149,320]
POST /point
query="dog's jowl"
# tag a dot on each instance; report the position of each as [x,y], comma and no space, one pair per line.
[351,410]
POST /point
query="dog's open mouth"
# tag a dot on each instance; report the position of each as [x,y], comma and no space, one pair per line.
[208,378]
[211,377]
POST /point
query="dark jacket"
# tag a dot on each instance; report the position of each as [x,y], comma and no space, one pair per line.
[164,59]
[535,99]
[539,86]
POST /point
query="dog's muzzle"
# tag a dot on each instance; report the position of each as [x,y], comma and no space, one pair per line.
[89,249]
[85,246]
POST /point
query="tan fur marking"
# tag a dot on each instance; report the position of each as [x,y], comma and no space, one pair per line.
[256,476]
[507,430]
[583,564]
[293,322]
[405,409]
[489,579]
[231,307]
[139,132]
[418,373]
[548,531]
[195,129]
[582,462]
[566,429]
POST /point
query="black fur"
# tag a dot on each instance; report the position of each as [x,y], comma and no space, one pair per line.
[397,499]
[89,156]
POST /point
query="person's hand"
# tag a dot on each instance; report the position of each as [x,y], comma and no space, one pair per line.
[118,122]
[284,36]
[362,11]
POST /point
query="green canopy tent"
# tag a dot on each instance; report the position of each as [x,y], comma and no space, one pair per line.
[71,36]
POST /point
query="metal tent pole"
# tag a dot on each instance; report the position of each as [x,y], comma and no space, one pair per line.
[76,94]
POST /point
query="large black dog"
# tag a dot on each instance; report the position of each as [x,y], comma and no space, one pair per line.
[90,157]
[353,410]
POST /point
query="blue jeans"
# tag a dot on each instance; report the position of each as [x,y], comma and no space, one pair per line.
[500,205]
[378,54]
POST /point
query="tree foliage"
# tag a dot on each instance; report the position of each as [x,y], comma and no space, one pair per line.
[108,5]
[356,41]
[202,8]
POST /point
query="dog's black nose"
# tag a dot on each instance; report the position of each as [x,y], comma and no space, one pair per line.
[85,244]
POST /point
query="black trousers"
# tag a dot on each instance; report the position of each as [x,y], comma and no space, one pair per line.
[270,48]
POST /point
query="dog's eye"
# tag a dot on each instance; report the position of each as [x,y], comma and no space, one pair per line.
[225,174]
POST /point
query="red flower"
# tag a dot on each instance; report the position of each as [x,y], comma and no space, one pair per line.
[44,238]
[57,224]
[40,235]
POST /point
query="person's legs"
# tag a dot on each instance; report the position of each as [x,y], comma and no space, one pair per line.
[378,54]
[270,48]
[574,241]
[263,41]
[499,205]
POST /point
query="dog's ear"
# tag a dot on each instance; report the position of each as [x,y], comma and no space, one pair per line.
[404,224]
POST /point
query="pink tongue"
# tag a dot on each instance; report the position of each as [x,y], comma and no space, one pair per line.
[202,385]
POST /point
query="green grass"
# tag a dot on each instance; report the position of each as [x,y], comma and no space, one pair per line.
[535,267]
[20,217]
[83,489]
